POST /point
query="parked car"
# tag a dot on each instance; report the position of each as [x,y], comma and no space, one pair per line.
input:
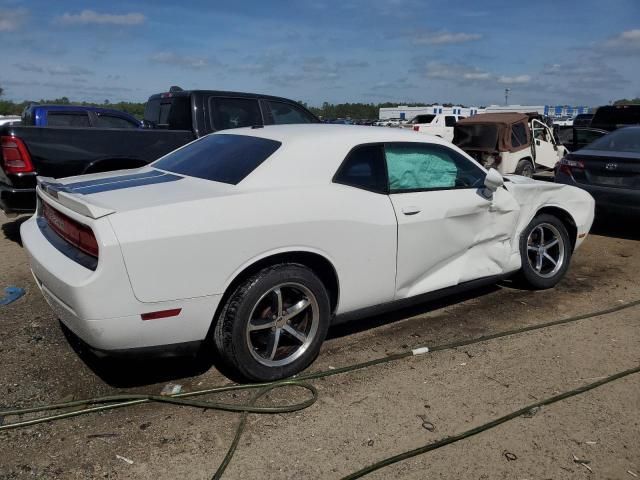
[440,125]
[563,122]
[608,168]
[9,120]
[177,117]
[230,242]
[582,120]
[509,142]
[77,116]
[575,138]
[611,117]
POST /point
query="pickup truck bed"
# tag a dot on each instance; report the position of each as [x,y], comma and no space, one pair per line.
[63,152]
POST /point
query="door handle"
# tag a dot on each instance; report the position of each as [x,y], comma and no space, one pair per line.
[410,210]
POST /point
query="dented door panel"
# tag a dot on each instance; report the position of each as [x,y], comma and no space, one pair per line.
[446,237]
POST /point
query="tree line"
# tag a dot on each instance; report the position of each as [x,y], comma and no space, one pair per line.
[326,110]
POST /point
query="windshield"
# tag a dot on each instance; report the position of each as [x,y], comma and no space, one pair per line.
[623,140]
[220,158]
[476,136]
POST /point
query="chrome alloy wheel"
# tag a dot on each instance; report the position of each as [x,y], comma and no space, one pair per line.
[545,250]
[283,324]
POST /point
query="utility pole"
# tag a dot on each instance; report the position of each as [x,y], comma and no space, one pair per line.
[506,96]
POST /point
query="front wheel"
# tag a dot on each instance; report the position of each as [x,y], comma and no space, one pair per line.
[274,323]
[525,168]
[545,250]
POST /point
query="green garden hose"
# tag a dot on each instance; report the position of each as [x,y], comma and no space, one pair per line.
[99,404]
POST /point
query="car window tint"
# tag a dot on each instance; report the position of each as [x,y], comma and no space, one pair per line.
[68,119]
[415,166]
[284,113]
[220,158]
[364,168]
[518,135]
[111,121]
[622,140]
[234,112]
[449,121]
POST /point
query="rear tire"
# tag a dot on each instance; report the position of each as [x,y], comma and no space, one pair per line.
[273,324]
[545,251]
[525,168]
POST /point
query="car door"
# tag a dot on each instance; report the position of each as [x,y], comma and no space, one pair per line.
[449,232]
[547,153]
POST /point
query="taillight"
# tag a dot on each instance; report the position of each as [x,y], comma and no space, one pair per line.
[77,234]
[416,128]
[15,156]
[565,165]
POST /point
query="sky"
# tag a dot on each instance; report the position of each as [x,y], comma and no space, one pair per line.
[584,52]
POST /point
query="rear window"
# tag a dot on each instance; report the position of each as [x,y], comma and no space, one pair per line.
[422,119]
[476,136]
[219,158]
[172,113]
[623,140]
[617,115]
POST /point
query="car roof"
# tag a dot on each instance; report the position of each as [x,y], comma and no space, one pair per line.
[219,93]
[84,108]
[310,154]
[322,132]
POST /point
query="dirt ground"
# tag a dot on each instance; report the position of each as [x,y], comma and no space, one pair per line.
[364,416]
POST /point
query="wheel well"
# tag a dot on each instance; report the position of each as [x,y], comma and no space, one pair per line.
[566,219]
[317,263]
[111,164]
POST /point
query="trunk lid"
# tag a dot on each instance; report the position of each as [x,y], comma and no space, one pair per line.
[102,194]
[614,169]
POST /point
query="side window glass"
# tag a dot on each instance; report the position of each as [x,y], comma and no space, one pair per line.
[234,112]
[364,168]
[64,119]
[110,121]
[518,135]
[449,121]
[415,167]
[284,113]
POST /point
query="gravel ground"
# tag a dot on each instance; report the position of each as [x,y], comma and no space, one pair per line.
[364,416]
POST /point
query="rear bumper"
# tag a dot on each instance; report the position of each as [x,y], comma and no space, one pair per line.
[609,198]
[100,307]
[17,200]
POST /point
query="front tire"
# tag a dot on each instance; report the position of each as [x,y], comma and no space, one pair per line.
[545,251]
[525,168]
[273,324]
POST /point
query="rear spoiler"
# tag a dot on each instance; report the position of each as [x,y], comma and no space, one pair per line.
[57,191]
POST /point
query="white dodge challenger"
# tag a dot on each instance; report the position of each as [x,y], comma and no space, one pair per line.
[254,241]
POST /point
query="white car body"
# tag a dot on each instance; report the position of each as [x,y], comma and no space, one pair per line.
[441,126]
[180,244]
[4,120]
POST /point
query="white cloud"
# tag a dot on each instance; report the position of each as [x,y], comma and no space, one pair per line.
[626,38]
[445,38]
[12,19]
[172,58]
[29,67]
[516,80]
[91,17]
[456,72]
[68,70]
